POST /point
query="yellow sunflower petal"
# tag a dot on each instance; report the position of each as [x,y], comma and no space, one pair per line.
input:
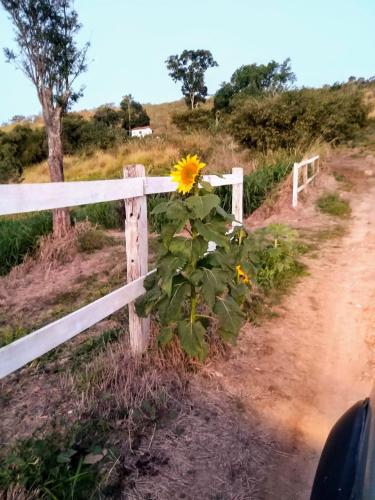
[186,172]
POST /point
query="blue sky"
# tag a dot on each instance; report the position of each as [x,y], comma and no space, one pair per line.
[327,41]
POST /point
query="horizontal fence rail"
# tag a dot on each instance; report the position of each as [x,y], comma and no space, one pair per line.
[21,198]
[35,344]
[309,169]
[133,189]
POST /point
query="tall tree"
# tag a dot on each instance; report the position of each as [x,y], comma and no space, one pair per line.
[49,56]
[133,113]
[255,80]
[189,68]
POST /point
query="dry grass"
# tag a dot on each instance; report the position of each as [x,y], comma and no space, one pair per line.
[370,99]
[53,252]
[158,154]
[128,381]
[161,115]
[160,151]
[17,492]
[168,422]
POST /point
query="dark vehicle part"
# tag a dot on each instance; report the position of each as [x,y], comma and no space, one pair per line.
[346,470]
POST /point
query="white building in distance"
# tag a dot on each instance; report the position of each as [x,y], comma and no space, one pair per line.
[140,131]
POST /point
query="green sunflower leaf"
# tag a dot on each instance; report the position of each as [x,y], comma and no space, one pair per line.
[192,339]
[201,206]
[165,335]
[229,314]
[211,232]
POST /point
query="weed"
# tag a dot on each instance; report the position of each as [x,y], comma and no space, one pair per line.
[276,249]
[57,465]
[11,333]
[345,183]
[94,239]
[330,233]
[339,177]
[333,204]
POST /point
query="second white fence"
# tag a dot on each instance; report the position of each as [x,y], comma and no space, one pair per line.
[308,170]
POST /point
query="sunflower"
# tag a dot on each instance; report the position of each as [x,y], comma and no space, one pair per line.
[241,275]
[186,172]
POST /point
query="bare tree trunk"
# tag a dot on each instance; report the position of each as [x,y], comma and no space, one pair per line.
[61,216]
[192,100]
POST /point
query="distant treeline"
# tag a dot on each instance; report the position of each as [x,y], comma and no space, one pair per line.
[24,145]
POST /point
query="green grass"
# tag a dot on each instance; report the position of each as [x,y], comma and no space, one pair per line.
[332,204]
[257,186]
[10,333]
[19,236]
[108,214]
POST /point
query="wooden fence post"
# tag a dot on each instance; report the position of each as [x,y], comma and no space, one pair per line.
[136,238]
[295,185]
[237,197]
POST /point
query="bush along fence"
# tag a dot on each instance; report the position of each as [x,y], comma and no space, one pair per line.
[303,173]
[134,189]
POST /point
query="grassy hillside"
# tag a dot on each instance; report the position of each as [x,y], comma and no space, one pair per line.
[161,114]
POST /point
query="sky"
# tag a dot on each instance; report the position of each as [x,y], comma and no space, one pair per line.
[327,41]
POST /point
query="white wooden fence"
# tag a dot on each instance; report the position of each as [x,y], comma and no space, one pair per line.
[134,189]
[308,169]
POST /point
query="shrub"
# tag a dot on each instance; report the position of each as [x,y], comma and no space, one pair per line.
[196,119]
[298,118]
[20,147]
[98,135]
[20,236]
[93,239]
[10,166]
[108,115]
[332,204]
[30,144]
[85,135]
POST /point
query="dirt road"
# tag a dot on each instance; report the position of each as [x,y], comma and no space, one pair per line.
[260,418]
[300,371]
